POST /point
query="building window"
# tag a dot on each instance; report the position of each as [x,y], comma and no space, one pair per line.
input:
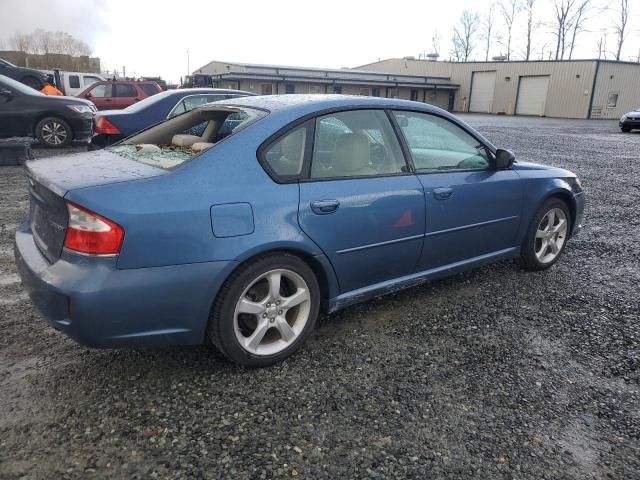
[267,89]
[337,89]
[289,88]
[612,101]
[393,93]
[314,89]
[364,92]
[414,95]
[375,92]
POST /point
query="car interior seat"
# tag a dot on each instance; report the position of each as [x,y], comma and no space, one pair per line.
[352,156]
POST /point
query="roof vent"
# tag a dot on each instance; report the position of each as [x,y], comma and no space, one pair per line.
[433,57]
[411,57]
[500,58]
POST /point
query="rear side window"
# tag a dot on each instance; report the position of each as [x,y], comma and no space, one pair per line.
[285,157]
[102,90]
[74,81]
[124,90]
[148,89]
[357,143]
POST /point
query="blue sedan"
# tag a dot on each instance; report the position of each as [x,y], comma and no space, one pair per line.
[111,126]
[284,207]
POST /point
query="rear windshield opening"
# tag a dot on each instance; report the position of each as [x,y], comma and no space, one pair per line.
[176,141]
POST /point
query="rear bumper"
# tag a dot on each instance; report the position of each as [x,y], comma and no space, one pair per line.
[98,305]
[101,140]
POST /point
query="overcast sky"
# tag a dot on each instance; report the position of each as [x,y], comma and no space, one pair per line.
[151,37]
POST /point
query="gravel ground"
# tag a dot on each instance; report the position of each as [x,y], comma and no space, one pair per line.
[497,373]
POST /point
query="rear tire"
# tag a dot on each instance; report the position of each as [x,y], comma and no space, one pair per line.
[547,235]
[265,310]
[54,132]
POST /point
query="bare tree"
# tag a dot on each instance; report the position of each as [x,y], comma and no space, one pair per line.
[488,34]
[578,20]
[602,46]
[528,7]
[45,42]
[22,43]
[464,35]
[435,42]
[620,28]
[509,10]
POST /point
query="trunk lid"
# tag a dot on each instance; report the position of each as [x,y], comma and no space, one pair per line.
[50,180]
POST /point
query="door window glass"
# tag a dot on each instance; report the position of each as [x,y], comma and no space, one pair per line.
[102,90]
[354,144]
[195,101]
[285,156]
[74,81]
[437,144]
[178,109]
[124,90]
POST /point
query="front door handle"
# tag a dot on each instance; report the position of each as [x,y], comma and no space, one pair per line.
[323,207]
[442,193]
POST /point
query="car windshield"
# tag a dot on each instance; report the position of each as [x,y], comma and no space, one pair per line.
[16,86]
[176,141]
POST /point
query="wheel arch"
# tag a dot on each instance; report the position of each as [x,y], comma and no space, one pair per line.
[567,198]
[41,116]
[318,263]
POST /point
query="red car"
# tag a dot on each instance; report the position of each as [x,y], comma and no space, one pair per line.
[118,94]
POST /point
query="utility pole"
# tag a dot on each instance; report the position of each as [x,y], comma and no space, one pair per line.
[124,72]
[188,67]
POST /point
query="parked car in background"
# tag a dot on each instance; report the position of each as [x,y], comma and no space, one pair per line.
[111,126]
[54,121]
[242,235]
[35,79]
[630,121]
[118,94]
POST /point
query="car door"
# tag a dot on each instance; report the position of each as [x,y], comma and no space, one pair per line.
[101,96]
[472,209]
[125,94]
[360,204]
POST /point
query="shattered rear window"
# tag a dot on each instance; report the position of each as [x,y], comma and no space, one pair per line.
[179,139]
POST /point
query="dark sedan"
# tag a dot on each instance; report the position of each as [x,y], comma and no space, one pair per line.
[30,77]
[54,121]
[115,125]
[630,121]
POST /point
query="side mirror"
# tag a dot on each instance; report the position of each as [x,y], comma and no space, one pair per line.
[504,159]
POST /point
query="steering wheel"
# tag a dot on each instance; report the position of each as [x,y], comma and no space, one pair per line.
[379,156]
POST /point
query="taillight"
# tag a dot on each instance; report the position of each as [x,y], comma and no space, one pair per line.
[105,126]
[91,233]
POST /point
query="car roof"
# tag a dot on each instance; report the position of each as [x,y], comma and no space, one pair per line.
[195,91]
[303,104]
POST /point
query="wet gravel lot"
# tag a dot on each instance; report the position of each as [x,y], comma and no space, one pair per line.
[497,373]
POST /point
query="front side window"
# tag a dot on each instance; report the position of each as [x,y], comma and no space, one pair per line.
[102,90]
[354,144]
[438,145]
[124,90]
[286,156]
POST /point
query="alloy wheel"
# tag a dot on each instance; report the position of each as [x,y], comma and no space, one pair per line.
[54,133]
[272,312]
[551,235]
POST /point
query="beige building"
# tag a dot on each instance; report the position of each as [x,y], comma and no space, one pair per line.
[272,79]
[563,89]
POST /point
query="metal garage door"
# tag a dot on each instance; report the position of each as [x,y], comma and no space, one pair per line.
[532,95]
[483,84]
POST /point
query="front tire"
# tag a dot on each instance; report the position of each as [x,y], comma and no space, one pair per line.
[54,132]
[625,130]
[547,235]
[266,310]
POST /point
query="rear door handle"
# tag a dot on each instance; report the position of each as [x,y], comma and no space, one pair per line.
[323,207]
[442,193]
